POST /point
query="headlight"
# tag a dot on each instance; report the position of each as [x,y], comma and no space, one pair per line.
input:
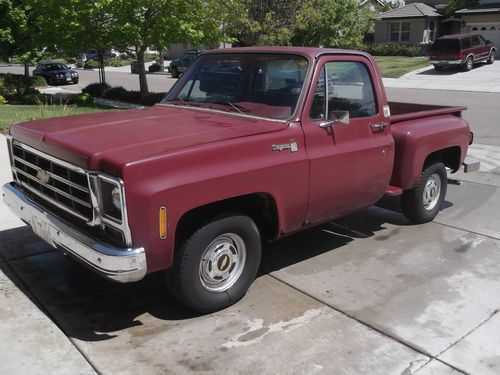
[111,199]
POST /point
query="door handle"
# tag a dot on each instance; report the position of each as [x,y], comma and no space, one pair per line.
[379,128]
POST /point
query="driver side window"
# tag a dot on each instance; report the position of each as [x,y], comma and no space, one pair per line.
[344,86]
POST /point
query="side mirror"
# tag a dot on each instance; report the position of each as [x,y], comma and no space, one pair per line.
[488,41]
[336,117]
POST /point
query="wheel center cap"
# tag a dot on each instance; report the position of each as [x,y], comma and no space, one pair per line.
[223,262]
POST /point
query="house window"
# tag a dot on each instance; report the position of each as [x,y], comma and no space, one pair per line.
[399,31]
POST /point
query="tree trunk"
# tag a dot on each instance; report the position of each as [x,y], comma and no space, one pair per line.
[162,60]
[143,82]
[100,62]
[26,70]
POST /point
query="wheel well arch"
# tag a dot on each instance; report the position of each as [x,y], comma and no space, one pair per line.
[260,207]
[450,157]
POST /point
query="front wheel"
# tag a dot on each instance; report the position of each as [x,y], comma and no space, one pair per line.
[215,266]
[422,203]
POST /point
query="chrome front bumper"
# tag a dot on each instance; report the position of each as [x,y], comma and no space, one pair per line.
[122,265]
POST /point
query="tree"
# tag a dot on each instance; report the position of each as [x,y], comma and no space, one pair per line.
[265,22]
[332,23]
[18,28]
[144,23]
[390,5]
[455,5]
[77,26]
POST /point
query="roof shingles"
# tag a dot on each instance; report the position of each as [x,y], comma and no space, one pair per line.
[414,10]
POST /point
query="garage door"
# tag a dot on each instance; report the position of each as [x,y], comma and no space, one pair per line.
[493,35]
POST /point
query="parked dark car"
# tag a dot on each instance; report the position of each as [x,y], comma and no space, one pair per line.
[179,66]
[56,73]
[461,50]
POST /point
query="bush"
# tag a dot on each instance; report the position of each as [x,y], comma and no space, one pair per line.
[115,93]
[2,100]
[81,99]
[35,98]
[154,68]
[395,50]
[14,87]
[152,98]
[90,64]
[71,60]
[96,89]
[79,64]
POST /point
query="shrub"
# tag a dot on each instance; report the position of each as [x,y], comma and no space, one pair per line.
[81,99]
[154,68]
[2,100]
[71,60]
[115,93]
[38,81]
[96,89]
[90,64]
[35,98]
[152,98]
[395,50]
[14,87]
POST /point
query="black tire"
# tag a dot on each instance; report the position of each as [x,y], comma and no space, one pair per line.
[186,277]
[50,82]
[174,72]
[491,59]
[438,67]
[469,64]
[413,200]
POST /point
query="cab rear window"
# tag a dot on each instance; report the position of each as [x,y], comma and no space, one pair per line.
[446,45]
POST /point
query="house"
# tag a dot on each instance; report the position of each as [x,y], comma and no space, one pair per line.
[420,22]
[483,19]
[415,23]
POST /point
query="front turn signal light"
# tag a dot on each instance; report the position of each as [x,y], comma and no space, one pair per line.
[163,222]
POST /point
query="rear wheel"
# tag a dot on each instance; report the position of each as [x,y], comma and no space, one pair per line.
[469,64]
[491,59]
[422,203]
[215,267]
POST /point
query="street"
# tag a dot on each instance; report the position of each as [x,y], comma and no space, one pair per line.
[365,294]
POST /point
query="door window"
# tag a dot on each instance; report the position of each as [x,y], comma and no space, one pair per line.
[466,43]
[476,41]
[344,86]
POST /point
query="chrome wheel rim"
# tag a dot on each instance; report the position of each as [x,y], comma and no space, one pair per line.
[492,57]
[222,262]
[469,64]
[432,191]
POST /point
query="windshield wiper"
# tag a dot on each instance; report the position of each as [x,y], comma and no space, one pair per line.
[238,108]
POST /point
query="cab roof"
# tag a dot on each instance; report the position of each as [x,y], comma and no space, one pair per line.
[311,52]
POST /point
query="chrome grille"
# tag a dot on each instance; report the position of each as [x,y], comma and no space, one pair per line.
[52,181]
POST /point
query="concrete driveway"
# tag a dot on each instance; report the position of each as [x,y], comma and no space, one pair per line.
[483,78]
[366,294]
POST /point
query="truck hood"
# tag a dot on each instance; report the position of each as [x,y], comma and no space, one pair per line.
[108,140]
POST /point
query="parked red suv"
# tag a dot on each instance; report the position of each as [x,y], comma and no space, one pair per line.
[461,50]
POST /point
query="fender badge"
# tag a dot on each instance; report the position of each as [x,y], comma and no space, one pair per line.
[292,146]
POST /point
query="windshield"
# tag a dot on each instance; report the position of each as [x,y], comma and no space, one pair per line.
[264,85]
[55,67]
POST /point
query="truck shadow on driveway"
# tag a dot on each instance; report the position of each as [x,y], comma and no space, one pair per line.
[90,308]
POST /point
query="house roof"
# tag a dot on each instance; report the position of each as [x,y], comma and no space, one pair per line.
[414,10]
[482,8]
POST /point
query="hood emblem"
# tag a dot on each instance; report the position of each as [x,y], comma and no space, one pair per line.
[43,176]
[292,146]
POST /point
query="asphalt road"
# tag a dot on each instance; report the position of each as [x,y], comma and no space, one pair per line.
[156,82]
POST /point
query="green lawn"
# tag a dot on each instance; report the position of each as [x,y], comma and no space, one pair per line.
[397,66]
[10,114]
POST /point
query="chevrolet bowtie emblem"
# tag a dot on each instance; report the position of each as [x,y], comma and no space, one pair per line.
[43,176]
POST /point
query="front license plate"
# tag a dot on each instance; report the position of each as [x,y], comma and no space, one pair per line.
[41,228]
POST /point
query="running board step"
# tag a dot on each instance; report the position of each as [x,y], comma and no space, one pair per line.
[393,191]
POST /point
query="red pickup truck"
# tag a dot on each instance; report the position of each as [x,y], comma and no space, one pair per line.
[250,145]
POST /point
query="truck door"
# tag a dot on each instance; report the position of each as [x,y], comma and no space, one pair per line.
[351,150]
